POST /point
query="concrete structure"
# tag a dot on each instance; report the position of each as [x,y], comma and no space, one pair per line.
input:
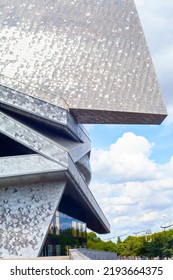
[85,254]
[63,63]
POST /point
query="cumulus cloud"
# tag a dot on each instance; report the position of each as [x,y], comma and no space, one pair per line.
[124,160]
[133,191]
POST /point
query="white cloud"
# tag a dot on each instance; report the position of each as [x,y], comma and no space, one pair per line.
[133,191]
[149,217]
[127,159]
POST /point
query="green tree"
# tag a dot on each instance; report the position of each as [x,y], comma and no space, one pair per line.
[159,245]
[95,243]
[92,236]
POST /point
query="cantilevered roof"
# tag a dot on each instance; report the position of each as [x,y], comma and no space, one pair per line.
[91,54]
[43,143]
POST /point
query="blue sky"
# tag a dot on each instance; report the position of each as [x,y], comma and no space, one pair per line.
[133,165]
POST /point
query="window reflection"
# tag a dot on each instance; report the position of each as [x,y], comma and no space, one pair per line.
[62,222]
[65,232]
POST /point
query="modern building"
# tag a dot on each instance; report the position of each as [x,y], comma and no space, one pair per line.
[64,63]
[64,233]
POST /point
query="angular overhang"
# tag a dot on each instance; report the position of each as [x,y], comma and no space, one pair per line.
[63,63]
[56,149]
[91,56]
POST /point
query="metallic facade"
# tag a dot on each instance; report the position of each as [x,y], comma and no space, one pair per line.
[63,63]
[57,156]
[26,211]
[91,55]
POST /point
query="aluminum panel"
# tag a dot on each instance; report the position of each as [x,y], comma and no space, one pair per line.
[92,54]
[26,212]
[27,164]
[32,139]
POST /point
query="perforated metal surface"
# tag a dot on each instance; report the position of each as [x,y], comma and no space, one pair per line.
[27,164]
[26,212]
[62,59]
[61,151]
[92,54]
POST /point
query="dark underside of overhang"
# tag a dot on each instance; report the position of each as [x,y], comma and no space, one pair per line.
[76,205]
[86,116]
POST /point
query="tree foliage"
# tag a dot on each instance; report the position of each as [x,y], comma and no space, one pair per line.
[95,243]
[157,245]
